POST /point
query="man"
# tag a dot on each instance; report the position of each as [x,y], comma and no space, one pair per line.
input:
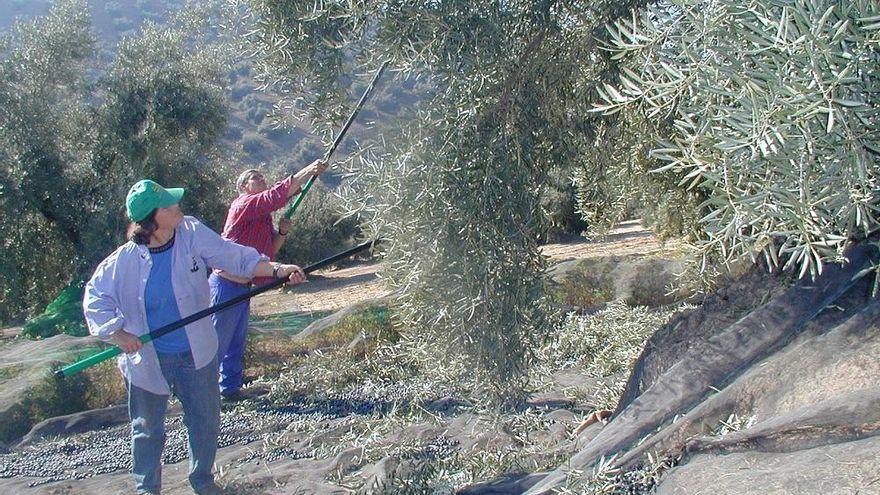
[249,222]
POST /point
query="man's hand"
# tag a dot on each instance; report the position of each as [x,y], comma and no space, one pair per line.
[310,171]
[126,341]
[316,168]
[284,226]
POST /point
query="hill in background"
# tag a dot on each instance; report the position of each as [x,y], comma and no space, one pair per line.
[253,137]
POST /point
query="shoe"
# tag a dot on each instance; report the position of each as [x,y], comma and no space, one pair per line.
[209,489]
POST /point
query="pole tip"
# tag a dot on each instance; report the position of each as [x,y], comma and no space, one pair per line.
[59,374]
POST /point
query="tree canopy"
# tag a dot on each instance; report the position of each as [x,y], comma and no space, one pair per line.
[458,191]
[770,111]
[748,126]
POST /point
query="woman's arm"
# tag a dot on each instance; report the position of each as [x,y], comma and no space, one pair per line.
[221,254]
[292,273]
[102,311]
[238,260]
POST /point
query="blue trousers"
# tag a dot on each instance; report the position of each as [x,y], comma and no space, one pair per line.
[196,390]
[231,325]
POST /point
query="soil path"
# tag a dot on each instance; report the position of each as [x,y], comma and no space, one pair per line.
[334,289]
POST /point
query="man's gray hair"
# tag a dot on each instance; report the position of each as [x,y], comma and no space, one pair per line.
[244,177]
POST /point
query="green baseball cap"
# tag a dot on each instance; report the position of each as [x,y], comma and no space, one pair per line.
[145,196]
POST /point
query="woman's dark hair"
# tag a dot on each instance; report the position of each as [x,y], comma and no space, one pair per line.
[140,232]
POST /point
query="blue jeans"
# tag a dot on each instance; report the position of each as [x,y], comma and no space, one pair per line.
[197,391]
[231,325]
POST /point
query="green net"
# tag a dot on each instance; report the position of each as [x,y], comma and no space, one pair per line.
[63,315]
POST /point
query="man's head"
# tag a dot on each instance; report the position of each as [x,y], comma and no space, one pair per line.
[251,181]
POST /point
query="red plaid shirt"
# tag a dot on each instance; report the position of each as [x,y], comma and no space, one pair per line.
[249,221]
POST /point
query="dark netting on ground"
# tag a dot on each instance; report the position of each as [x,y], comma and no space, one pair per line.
[106,451]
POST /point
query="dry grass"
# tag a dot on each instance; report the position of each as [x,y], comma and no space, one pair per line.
[269,355]
[106,385]
[604,343]
[587,286]
[11,371]
[323,361]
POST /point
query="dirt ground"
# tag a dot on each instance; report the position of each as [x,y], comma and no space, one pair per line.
[327,290]
[629,238]
[334,289]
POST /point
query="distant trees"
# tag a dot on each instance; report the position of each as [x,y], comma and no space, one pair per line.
[73,138]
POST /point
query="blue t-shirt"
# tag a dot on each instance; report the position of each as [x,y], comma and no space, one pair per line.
[160,303]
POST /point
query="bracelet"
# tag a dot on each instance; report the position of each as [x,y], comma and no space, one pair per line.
[283,233]
[275,271]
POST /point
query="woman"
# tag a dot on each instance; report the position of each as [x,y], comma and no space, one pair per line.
[156,278]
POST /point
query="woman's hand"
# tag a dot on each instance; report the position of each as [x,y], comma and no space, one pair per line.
[293,273]
[126,341]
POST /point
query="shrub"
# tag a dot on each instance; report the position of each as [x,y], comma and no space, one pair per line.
[113,9]
[233,133]
[559,204]
[653,285]
[273,131]
[123,24]
[306,151]
[588,284]
[98,386]
[253,143]
[240,90]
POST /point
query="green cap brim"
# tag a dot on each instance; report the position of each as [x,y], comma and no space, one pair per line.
[173,197]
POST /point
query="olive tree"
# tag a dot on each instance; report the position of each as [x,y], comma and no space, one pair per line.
[45,124]
[164,112]
[771,118]
[457,189]
[75,135]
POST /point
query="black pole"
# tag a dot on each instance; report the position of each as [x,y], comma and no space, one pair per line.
[288,213]
[357,109]
[155,334]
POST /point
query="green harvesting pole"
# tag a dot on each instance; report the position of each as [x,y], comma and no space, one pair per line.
[155,334]
[288,213]
[96,358]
